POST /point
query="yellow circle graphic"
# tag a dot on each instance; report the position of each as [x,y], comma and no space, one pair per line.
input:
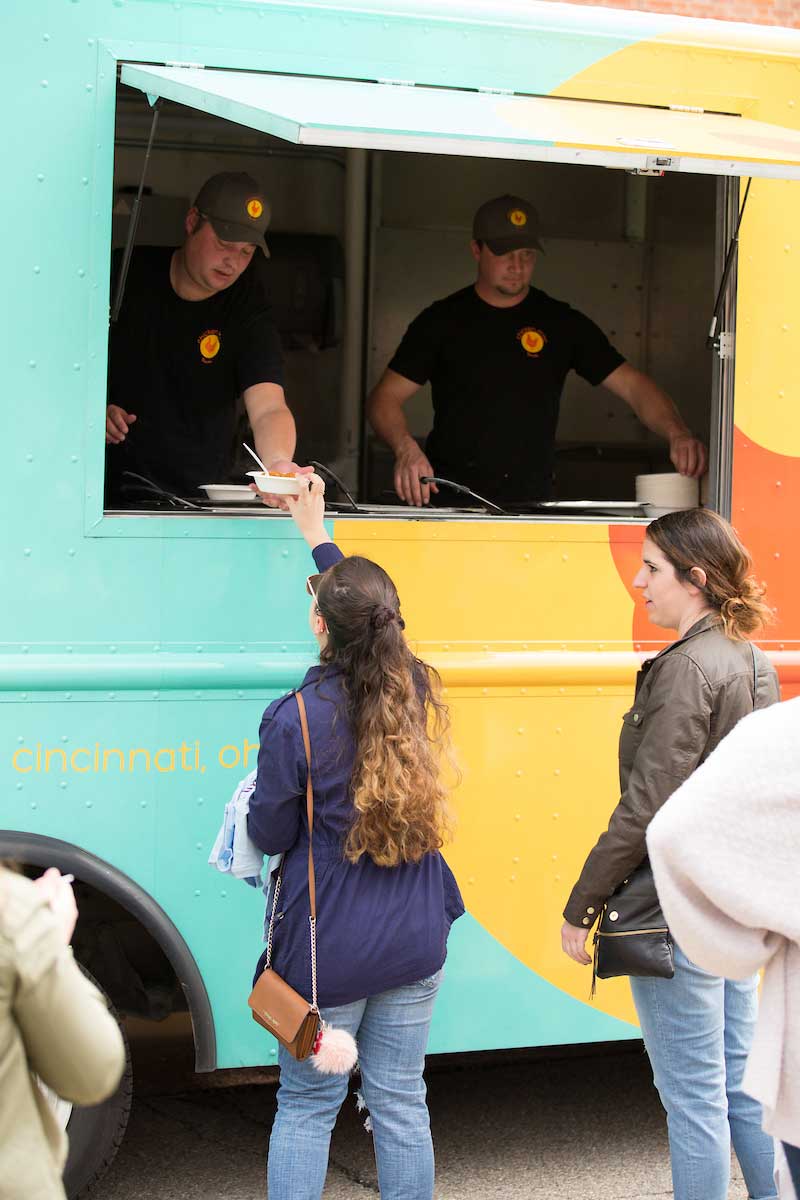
[209,345]
[532,341]
[518,217]
[254,208]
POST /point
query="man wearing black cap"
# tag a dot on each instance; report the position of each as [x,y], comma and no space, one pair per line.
[194,333]
[497,354]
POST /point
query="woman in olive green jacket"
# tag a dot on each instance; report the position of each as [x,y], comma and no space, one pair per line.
[54,1024]
[697,1028]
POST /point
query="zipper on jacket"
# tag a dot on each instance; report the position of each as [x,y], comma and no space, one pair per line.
[632,932]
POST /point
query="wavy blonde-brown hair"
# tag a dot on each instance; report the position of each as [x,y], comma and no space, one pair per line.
[397,718]
[698,537]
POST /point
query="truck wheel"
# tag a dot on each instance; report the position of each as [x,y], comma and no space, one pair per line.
[95,1133]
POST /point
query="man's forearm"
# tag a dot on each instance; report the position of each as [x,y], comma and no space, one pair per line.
[652,406]
[389,422]
[275,436]
[655,410]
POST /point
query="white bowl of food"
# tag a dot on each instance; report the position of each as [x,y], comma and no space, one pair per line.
[276,485]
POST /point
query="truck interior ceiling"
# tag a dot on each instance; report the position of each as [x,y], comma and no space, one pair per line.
[641,255]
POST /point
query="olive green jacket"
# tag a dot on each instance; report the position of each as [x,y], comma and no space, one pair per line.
[687,699]
[55,1023]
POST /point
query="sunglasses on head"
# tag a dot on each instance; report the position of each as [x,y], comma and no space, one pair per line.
[312,584]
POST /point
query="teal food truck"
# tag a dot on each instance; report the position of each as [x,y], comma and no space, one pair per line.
[143,640]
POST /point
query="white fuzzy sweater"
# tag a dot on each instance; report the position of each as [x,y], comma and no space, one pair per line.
[725,851]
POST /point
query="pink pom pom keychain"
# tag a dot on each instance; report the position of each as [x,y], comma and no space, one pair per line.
[335,1051]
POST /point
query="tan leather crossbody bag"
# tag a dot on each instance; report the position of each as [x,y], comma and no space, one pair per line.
[282,1011]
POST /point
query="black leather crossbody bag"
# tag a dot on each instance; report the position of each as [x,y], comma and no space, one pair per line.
[632,937]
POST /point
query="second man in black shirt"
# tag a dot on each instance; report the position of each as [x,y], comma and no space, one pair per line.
[497,354]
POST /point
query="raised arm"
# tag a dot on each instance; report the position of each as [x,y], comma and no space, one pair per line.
[657,412]
[308,513]
[71,1039]
[386,416]
[273,426]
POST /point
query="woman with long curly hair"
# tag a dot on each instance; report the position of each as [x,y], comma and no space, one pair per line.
[697,1027]
[385,896]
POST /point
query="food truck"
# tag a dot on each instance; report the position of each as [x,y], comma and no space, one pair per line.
[143,641]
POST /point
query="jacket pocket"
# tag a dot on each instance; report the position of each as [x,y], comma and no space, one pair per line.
[630,736]
[633,719]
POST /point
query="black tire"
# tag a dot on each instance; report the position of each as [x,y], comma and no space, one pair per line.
[95,1133]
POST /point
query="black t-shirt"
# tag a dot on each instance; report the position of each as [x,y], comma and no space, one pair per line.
[180,365]
[497,376]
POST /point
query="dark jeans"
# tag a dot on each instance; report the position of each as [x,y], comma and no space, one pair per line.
[793,1158]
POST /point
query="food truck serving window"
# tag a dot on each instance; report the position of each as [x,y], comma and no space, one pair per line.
[384,180]
[333,112]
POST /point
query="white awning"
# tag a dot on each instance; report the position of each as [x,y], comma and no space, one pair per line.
[382,116]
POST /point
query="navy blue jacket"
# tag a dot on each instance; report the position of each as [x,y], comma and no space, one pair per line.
[377,927]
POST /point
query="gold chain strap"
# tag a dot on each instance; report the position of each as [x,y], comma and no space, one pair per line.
[313,925]
[268,961]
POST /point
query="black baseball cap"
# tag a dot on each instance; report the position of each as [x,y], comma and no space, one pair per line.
[507,223]
[236,206]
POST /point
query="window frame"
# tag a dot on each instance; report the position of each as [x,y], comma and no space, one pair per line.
[102,522]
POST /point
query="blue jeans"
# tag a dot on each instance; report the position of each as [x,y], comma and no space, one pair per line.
[697,1030]
[392,1034]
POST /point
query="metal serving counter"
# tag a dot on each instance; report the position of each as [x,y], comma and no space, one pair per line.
[592,511]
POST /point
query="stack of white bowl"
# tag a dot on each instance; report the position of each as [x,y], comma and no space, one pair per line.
[666,492]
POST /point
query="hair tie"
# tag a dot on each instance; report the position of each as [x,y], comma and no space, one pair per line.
[382,615]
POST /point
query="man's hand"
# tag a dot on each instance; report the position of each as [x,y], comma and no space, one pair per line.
[656,411]
[573,943]
[688,454]
[410,463]
[118,422]
[281,467]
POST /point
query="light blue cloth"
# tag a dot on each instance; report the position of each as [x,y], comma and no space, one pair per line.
[234,852]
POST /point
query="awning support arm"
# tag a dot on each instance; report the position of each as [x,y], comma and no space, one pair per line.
[730,259]
[134,221]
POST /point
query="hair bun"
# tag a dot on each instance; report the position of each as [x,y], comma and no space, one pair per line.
[382,616]
[745,611]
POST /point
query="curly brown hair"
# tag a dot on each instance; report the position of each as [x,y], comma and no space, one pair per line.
[397,718]
[698,537]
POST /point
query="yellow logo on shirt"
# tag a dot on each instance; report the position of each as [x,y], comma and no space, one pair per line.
[532,340]
[209,343]
[254,208]
[518,217]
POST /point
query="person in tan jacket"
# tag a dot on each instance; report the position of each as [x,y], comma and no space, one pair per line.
[54,1026]
[697,1027]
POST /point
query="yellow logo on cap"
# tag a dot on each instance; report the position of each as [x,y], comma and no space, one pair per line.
[532,340]
[254,208]
[209,344]
[518,217]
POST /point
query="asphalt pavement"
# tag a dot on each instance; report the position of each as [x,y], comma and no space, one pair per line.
[573,1128]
